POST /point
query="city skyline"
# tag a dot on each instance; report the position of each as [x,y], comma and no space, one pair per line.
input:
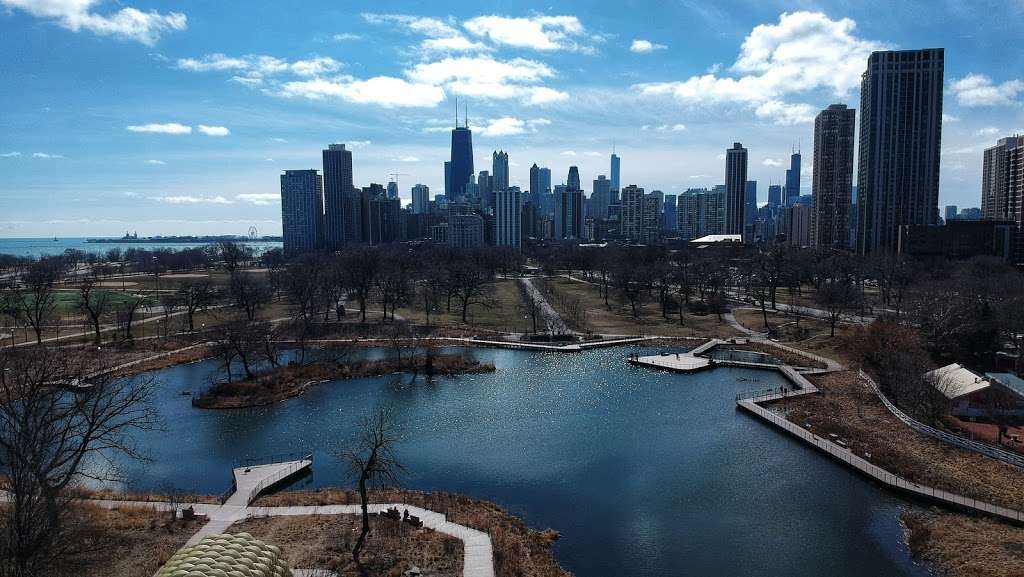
[173,129]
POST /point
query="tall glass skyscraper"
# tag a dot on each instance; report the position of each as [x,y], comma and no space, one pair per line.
[615,172]
[793,179]
[302,211]
[573,182]
[735,188]
[462,160]
[832,180]
[900,140]
[338,197]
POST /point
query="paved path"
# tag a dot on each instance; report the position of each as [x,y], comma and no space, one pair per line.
[552,320]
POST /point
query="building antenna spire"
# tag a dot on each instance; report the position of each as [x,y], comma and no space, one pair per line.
[456,112]
[465,116]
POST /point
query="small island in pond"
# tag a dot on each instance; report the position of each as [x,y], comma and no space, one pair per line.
[287,381]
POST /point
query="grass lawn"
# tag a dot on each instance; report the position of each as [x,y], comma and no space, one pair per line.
[618,319]
[501,314]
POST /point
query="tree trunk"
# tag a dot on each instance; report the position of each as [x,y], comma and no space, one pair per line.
[366,521]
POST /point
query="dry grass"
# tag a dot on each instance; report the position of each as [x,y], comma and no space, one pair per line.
[519,551]
[849,409]
[617,318]
[965,546]
[502,313]
[325,542]
[129,542]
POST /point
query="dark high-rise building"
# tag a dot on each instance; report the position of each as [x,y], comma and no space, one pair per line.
[573,182]
[735,188]
[900,141]
[774,196]
[499,170]
[448,179]
[339,198]
[750,203]
[302,211]
[420,199]
[670,216]
[484,188]
[793,179]
[600,198]
[535,190]
[1002,181]
[462,159]
[832,180]
[615,172]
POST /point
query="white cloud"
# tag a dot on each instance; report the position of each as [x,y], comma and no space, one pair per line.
[644,46]
[358,143]
[432,27]
[405,159]
[987,132]
[785,113]
[188,199]
[247,80]
[259,198]
[214,130]
[568,153]
[254,67]
[666,127]
[541,95]
[157,128]
[593,153]
[279,139]
[509,126]
[771,162]
[537,32]
[346,36]
[155,162]
[46,156]
[384,91]
[14,154]
[803,51]
[453,44]
[128,23]
[979,90]
[950,118]
[129,194]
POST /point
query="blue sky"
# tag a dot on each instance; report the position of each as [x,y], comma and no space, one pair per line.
[177,117]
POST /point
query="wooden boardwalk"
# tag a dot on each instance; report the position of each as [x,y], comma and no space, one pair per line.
[251,481]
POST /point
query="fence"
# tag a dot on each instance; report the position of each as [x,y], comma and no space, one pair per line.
[276,478]
[881,475]
[270,459]
[976,446]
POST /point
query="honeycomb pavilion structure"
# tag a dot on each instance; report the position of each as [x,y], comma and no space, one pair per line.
[239,555]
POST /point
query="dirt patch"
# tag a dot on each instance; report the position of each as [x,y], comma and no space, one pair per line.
[326,541]
[519,551]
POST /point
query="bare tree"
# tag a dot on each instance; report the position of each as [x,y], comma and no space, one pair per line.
[129,307]
[249,293]
[837,296]
[361,266]
[36,300]
[472,287]
[50,441]
[95,302]
[372,458]
[195,297]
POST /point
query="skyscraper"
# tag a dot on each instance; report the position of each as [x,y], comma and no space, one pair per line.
[568,213]
[832,180]
[302,211]
[392,189]
[632,212]
[793,179]
[750,203]
[1002,181]
[735,188]
[339,198]
[900,139]
[544,177]
[670,216]
[573,181]
[774,196]
[420,199]
[448,179]
[535,190]
[508,217]
[499,170]
[600,198]
[483,189]
[615,172]
[462,158]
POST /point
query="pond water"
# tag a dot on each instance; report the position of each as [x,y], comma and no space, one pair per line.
[644,473]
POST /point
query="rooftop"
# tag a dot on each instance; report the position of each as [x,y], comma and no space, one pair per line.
[955,380]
